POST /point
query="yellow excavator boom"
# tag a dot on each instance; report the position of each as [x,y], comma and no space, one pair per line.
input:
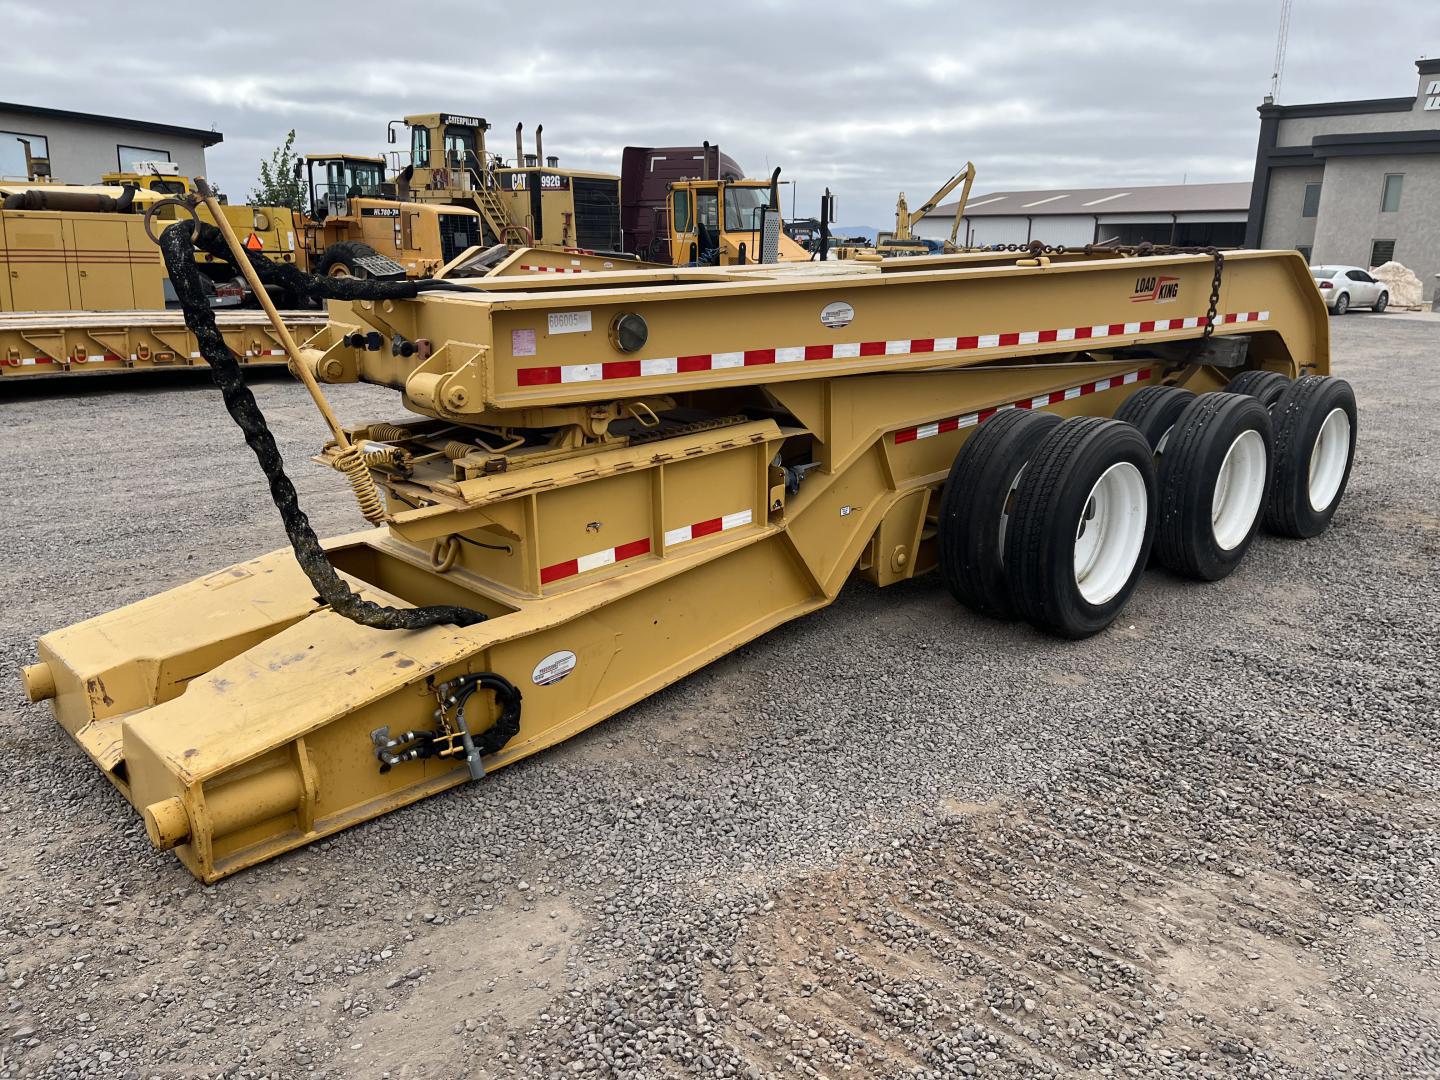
[905,221]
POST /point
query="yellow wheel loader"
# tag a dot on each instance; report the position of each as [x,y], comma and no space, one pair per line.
[357,227]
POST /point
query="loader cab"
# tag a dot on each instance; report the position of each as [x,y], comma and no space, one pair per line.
[726,223]
[447,151]
[332,180]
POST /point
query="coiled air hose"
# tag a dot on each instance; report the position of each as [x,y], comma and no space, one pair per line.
[177,245]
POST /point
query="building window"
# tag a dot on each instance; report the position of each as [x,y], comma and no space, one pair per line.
[129,157]
[1304,251]
[1381,252]
[1390,196]
[12,153]
[1312,201]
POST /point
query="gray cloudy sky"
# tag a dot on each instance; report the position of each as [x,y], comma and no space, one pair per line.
[870,98]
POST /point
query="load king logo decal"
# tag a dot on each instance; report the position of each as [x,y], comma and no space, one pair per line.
[1162,290]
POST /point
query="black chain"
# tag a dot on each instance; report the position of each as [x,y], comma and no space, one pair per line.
[1142,250]
[176,247]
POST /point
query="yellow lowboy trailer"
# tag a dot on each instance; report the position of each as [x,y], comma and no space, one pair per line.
[92,342]
[630,474]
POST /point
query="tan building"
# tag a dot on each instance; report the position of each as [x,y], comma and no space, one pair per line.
[1353,183]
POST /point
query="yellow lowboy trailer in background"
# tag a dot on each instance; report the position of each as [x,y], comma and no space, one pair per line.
[630,474]
[93,342]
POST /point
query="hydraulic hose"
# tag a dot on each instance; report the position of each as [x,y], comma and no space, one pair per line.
[178,251]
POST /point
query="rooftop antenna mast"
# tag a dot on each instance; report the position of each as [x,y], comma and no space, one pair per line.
[1280,40]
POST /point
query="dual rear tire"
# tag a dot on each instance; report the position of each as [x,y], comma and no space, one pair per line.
[1048,519]
[1054,521]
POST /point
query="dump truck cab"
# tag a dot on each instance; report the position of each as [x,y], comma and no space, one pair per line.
[687,205]
[726,223]
[357,226]
[526,201]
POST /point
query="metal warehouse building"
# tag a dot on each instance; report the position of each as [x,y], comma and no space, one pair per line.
[1353,182]
[81,147]
[1169,214]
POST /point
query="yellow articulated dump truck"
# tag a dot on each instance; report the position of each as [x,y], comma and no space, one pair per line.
[604,483]
[83,290]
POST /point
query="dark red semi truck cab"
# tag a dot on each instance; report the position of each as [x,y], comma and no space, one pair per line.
[646,173]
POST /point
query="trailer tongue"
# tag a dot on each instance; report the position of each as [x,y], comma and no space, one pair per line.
[626,475]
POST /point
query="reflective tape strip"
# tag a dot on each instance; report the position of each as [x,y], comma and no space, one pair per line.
[706,528]
[551,269]
[955,423]
[593,561]
[789,354]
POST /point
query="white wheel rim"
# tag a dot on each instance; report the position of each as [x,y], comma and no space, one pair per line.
[1328,459]
[1008,506]
[1239,487]
[1110,532]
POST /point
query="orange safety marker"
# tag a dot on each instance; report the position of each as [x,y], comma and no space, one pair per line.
[254,243]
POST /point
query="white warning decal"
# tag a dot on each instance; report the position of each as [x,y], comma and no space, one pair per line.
[837,314]
[553,668]
[522,342]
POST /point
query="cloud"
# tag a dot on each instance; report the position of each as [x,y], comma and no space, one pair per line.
[867,98]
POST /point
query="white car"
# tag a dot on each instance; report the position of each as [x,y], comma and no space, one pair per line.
[1345,287]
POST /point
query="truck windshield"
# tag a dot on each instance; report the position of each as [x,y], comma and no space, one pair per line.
[743,205]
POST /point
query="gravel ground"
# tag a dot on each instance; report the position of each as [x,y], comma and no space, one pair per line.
[891,840]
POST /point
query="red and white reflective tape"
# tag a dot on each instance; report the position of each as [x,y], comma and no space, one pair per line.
[32,361]
[677,365]
[593,561]
[955,423]
[551,269]
[96,358]
[706,528]
[596,559]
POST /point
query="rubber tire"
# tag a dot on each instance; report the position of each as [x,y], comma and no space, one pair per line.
[1267,386]
[1297,418]
[1381,304]
[345,253]
[1040,540]
[1154,411]
[1184,532]
[1342,304]
[972,560]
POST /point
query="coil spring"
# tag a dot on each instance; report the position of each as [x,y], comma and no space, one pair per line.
[352,463]
[374,459]
[455,450]
[390,433]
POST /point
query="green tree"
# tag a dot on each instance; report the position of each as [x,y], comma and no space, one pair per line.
[278,184]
